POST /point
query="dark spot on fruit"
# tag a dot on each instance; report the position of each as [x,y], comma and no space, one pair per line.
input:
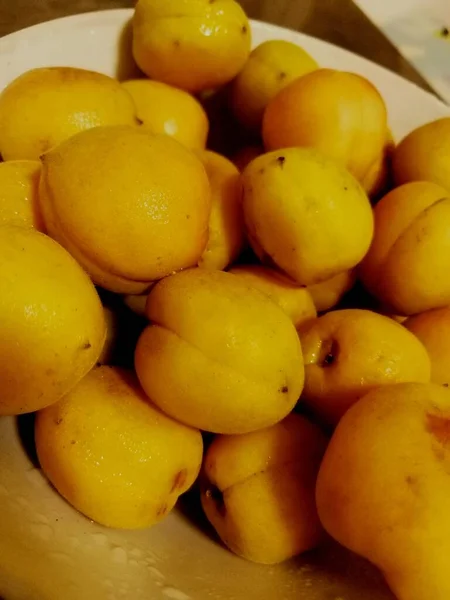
[329,354]
[281,160]
[58,421]
[216,496]
[328,360]
[284,389]
[176,43]
[261,171]
[345,188]
[86,345]
[282,75]
[445,32]
[162,510]
[188,217]
[439,427]
[244,29]
[73,442]
[50,372]
[139,121]
[180,480]
[445,384]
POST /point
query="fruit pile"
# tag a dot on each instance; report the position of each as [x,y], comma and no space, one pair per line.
[226,272]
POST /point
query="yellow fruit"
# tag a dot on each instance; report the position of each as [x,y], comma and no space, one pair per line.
[128,222]
[19,194]
[234,357]
[340,114]
[305,214]
[51,321]
[270,67]
[258,490]
[294,300]
[166,109]
[347,353]
[136,303]
[226,223]
[191,44]
[113,455]
[433,330]
[112,331]
[328,293]
[377,179]
[408,262]
[424,155]
[384,484]
[43,107]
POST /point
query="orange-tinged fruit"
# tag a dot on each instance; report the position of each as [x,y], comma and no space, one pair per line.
[165,109]
[52,321]
[305,214]
[433,330]
[192,44]
[378,179]
[330,292]
[296,301]
[408,262]
[349,352]
[19,194]
[113,455]
[226,235]
[270,67]
[128,222]
[424,155]
[45,106]
[341,114]
[258,490]
[234,357]
[383,486]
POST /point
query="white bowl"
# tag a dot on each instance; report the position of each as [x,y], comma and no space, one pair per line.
[50,552]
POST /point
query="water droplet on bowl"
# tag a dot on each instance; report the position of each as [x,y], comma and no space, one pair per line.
[119,555]
[175,594]
[42,531]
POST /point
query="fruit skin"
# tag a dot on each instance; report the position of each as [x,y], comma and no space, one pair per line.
[126,222]
[113,455]
[433,330]
[226,234]
[234,357]
[270,67]
[407,265]
[383,486]
[328,293]
[294,300]
[191,44]
[51,320]
[19,185]
[378,179]
[136,303]
[112,334]
[349,352]
[423,155]
[169,110]
[305,214]
[258,490]
[341,114]
[45,106]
